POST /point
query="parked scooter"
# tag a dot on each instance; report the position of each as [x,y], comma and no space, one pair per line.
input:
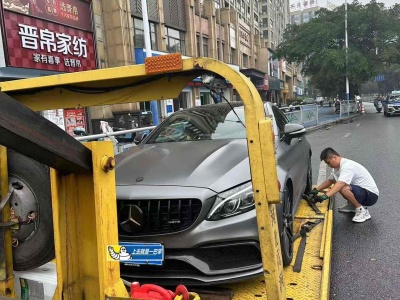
[378,105]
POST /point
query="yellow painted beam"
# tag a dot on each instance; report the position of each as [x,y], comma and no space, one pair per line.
[66,98]
[85,222]
[6,266]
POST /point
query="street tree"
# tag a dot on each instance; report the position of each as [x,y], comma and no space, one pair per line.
[319,46]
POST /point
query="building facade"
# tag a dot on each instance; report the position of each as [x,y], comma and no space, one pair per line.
[227,30]
[89,34]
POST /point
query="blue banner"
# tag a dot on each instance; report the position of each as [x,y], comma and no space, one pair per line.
[137,253]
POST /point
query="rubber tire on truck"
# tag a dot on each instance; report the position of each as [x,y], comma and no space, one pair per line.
[38,248]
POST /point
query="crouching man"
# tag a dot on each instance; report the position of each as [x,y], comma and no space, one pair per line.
[352,181]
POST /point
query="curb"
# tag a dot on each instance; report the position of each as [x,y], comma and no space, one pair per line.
[332,123]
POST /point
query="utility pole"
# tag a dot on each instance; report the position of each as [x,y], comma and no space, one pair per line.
[147,43]
[347,50]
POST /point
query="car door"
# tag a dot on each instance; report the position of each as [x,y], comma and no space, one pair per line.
[292,155]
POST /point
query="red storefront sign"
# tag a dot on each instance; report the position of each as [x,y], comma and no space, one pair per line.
[39,44]
[74,118]
[74,13]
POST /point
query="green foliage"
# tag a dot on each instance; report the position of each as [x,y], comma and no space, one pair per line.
[319,45]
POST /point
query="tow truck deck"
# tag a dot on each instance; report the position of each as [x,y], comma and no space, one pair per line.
[81,239]
[313,280]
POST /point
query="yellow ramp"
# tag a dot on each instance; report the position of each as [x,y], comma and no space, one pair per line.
[313,281]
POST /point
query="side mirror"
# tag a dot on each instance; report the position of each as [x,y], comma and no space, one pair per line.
[294,130]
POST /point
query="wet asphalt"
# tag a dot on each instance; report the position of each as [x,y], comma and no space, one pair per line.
[366,256]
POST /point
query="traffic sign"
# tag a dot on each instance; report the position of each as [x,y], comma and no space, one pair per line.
[380,78]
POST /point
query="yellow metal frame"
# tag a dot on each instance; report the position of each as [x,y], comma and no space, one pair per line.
[84,204]
[6,266]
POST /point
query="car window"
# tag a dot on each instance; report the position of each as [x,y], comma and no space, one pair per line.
[201,123]
[394,98]
[280,120]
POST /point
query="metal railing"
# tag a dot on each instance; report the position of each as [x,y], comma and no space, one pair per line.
[118,147]
[309,114]
[103,135]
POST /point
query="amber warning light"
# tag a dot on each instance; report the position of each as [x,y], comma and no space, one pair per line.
[163,63]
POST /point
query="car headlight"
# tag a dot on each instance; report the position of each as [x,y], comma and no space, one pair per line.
[390,106]
[232,202]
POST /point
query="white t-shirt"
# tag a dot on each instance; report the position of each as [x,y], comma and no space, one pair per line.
[351,172]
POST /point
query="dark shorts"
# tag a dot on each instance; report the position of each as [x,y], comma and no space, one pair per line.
[363,196]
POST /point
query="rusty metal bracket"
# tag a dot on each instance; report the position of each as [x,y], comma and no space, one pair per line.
[13,186]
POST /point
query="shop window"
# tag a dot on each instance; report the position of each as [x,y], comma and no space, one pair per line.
[138,37]
[205,98]
[145,106]
[175,40]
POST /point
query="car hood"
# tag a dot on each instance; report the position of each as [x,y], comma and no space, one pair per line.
[215,164]
[394,102]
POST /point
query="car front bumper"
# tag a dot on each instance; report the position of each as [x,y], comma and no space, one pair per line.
[208,252]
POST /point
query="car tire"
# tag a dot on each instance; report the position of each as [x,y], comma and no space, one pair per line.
[34,242]
[309,178]
[286,235]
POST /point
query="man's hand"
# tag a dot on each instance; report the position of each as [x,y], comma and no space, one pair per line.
[314,191]
[321,198]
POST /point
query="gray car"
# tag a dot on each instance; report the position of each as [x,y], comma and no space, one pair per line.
[188,186]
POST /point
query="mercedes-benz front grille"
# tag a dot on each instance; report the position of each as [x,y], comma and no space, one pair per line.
[146,217]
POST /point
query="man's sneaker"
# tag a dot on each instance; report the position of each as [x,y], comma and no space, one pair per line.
[367,215]
[361,215]
[348,208]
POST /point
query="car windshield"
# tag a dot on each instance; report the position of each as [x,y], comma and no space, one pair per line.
[208,122]
[394,98]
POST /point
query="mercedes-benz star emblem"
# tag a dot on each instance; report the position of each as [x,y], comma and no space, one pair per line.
[139,179]
[131,218]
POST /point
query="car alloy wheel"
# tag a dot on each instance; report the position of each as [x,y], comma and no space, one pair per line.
[287,228]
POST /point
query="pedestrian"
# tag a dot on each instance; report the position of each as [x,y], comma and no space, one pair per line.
[352,181]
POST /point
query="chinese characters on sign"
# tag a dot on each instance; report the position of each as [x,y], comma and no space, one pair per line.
[69,12]
[147,251]
[44,39]
[298,5]
[39,44]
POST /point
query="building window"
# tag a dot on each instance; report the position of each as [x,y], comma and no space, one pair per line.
[138,37]
[220,50]
[217,4]
[205,47]
[265,34]
[232,59]
[245,61]
[264,10]
[175,40]
[265,22]
[198,45]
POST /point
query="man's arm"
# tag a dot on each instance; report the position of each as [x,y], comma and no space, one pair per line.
[327,183]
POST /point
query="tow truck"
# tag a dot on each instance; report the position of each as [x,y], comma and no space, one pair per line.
[83,191]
